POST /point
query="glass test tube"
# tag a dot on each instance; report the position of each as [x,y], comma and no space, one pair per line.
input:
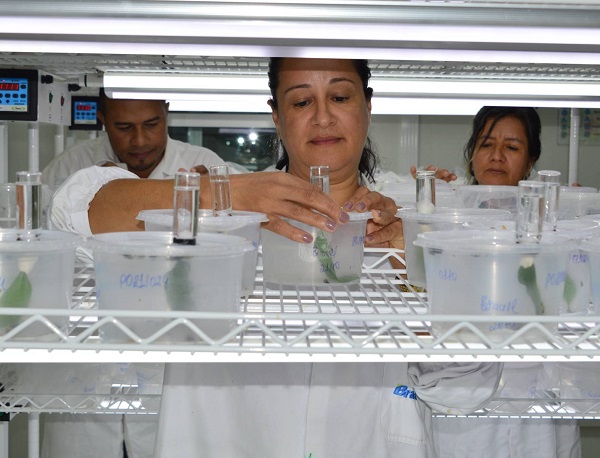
[551,178]
[530,211]
[425,191]
[220,190]
[185,208]
[29,204]
[319,176]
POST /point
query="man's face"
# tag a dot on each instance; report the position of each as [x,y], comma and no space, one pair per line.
[137,130]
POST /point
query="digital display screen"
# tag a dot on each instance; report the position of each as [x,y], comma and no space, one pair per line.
[18,95]
[13,94]
[83,113]
[5,86]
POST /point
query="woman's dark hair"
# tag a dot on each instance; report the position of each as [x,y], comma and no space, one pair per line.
[368,160]
[528,118]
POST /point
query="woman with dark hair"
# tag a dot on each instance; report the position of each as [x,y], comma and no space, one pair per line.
[321,109]
[504,145]
[368,160]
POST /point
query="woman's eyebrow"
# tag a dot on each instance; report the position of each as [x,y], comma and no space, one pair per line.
[298,86]
[493,137]
[331,81]
[341,79]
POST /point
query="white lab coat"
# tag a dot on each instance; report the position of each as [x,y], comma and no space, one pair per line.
[98,152]
[311,410]
[515,437]
[506,438]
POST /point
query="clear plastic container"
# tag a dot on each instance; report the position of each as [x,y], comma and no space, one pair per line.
[574,201]
[488,196]
[577,293]
[240,223]
[524,384]
[146,271]
[36,274]
[333,257]
[404,194]
[488,273]
[592,248]
[444,219]
[579,383]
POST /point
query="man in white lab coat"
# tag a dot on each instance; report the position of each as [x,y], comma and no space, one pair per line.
[137,141]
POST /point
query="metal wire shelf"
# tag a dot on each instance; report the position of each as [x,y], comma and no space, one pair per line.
[373,320]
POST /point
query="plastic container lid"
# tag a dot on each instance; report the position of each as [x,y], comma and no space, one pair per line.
[577,189]
[356,216]
[592,217]
[571,228]
[453,215]
[578,228]
[491,242]
[47,241]
[486,188]
[164,217]
[592,245]
[160,243]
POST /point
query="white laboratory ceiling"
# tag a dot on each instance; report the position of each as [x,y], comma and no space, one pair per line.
[529,52]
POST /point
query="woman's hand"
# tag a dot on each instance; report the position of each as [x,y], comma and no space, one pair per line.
[283,195]
[384,229]
[440,174]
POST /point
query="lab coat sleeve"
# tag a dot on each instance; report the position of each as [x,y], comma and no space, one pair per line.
[455,388]
[70,203]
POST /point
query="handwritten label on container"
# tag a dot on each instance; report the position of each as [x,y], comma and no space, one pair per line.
[446,274]
[510,308]
[487,306]
[578,258]
[142,281]
[555,279]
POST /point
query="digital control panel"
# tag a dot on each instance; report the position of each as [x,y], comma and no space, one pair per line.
[13,94]
[18,95]
[84,110]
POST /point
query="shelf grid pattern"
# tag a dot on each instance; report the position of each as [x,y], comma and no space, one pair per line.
[382,316]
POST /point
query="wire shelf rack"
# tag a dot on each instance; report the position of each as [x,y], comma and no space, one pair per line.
[380,318]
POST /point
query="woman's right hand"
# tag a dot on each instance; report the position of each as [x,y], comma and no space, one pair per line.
[440,174]
[279,195]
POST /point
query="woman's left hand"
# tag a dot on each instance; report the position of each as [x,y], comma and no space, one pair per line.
[384,230]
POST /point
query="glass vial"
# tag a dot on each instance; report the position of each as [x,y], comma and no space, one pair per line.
[220,190]
[29,204]
[185,208]
[530,211]
[425,191]
[319,176]
[551,179]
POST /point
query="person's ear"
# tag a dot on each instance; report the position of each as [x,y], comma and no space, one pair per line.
[274,115]
[101,118]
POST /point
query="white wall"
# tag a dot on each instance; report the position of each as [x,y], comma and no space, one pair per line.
[18,158]
[438,139]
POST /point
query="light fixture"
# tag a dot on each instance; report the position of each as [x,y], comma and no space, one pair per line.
[447,31]
[241,94]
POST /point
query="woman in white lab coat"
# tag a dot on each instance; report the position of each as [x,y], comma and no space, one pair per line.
[503,148]
[321,109]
